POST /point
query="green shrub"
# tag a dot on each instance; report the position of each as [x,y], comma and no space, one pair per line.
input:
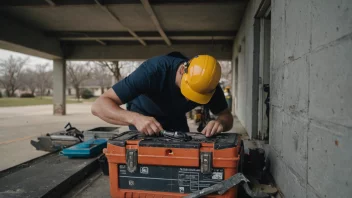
[0,94]
[27,95]
[86,94]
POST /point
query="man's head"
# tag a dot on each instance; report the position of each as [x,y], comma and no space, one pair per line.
[200,76]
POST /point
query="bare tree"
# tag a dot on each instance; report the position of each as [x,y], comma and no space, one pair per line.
[77,73]
[127,67]
[43,78]
[113,67]
[49,85]
[29,80]
[120,69]
[10,73]
[226,72]
[102,76]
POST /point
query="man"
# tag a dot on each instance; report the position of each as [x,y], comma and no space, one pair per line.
[162,90]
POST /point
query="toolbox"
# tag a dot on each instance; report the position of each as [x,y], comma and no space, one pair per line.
[86,149]
[160,167]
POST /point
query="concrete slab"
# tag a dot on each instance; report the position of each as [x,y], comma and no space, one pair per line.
[49,178]
[277,87]
[330,159]
[311,193]
[298,28]
[330,87]
[296,87]
[330,21]
[278,34]
[275,132]
[294,149]
[97,185]
[289,183]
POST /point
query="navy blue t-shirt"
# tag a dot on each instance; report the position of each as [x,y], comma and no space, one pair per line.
[151,90]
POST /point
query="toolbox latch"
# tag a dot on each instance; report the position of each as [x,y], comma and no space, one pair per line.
[205,162]
[131,160]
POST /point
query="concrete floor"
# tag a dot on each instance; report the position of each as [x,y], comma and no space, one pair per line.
[18,125]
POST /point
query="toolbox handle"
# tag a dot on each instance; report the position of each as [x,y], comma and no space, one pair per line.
[168,156]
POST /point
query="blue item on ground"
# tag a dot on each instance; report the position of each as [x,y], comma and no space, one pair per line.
[89,148]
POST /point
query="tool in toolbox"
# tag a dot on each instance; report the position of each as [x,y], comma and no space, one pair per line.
[171,165]
[176,135]
[59,140]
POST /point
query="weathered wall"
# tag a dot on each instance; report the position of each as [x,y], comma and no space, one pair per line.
[243,50]
[311,89]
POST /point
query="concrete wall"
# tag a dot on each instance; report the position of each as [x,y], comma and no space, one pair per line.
[243,50]
[311,89]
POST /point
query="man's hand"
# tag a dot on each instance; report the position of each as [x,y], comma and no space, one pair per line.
[213,127]
[147,125]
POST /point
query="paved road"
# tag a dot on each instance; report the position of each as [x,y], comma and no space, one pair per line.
[18,125]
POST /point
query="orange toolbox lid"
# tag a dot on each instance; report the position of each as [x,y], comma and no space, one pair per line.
[221,151]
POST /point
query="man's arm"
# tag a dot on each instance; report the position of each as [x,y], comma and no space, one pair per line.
[222,123]
[107,107]
[141,81]
[218,107]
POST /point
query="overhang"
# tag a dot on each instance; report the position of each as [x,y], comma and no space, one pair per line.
[136,28]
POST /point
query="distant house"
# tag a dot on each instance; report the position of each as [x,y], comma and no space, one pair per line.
[96,86]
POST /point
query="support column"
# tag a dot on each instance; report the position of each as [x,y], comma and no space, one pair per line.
[59,87]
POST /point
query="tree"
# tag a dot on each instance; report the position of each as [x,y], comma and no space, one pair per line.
[29,80]
[127,67]
[102,76]
[77,73]
[226,73]
[49,85]
[11,73]
[120,69]
[113,67]
[43,78]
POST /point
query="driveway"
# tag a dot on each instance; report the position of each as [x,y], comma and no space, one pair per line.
[18,125]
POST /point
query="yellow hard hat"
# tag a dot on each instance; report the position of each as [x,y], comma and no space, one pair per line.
[202,75]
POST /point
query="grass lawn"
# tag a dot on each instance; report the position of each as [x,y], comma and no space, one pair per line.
[90,99]
[13,102]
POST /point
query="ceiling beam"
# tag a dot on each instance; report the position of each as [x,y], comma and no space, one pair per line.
[138,52]
[101,42]
[155,20]
[103,34]
[113,2]
[50,2]
[18,37]
[150,38]
[106,9]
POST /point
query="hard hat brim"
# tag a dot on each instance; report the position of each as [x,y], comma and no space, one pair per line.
[194,96]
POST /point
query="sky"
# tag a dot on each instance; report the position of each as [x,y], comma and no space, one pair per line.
[33,60]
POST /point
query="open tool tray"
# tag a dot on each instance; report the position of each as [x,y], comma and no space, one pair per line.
[89,148]
[225,140]
[101,132]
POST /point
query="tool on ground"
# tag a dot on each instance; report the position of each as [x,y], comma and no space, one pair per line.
[58,140]
[224,186]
